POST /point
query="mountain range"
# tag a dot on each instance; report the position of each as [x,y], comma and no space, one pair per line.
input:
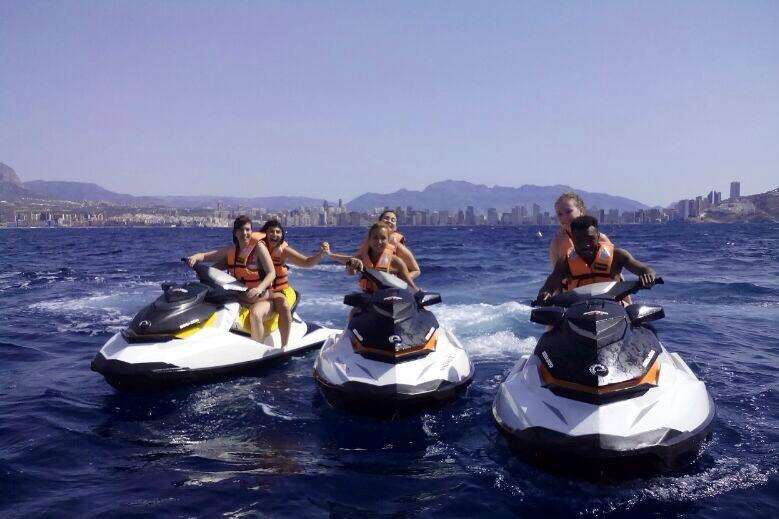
[458,194]
[446,195]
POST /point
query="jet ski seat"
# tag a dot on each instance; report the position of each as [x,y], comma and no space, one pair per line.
[271,322]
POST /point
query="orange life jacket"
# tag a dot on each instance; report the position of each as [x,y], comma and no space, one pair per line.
[383,263]
[584,274]
[243,266]
[279,255]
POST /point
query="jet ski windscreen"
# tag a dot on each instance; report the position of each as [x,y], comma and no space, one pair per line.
[385,279]
[208,274]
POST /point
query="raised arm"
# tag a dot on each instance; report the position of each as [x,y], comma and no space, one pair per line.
[296,258]
[214,256]
[623,259]
[341,258]
[408,258]
[554,282]
[400,266]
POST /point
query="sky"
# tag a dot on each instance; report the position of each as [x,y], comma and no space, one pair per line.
[656,101]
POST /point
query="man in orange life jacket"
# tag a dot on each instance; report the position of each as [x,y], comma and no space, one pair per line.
[591,261]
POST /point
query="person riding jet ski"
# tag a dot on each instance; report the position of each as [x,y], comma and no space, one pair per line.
[380,254]
[258,259]
[398,241]
[592,260]
[283,295]
[249,261]
[199,330]
[393,352]
[600,385]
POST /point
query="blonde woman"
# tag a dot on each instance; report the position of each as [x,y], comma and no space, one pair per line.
[568,206]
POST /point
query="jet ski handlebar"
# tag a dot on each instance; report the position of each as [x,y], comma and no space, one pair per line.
[618,292]
[362,299]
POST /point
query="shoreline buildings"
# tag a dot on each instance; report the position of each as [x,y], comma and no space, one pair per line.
[95,214]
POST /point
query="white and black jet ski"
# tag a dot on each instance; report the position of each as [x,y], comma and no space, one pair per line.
[196,331]
[393,352]
[601,387]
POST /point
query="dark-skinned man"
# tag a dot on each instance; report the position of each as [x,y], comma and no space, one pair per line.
[591,261]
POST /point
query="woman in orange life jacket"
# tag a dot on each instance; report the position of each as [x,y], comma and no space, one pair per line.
[249,261]
[380,255]
[591,261]
[397,240]
[282,294]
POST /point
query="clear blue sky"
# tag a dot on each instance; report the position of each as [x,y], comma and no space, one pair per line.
[651,100]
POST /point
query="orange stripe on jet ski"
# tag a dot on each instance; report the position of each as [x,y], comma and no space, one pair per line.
[359,347]
[650,378]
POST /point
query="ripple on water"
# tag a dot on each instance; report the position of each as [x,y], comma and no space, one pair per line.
[270,444]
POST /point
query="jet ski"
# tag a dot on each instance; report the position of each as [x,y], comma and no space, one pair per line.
[601,387]
[394,353]
[196,331]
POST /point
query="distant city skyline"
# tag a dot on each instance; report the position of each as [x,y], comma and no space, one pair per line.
[656,102]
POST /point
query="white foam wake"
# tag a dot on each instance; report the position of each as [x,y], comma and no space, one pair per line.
[481,317]
[503,343]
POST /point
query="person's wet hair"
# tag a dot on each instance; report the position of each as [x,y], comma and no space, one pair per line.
[238,223]
[379,225]
[387,212]
[574,197]
[274,223]
[583,222]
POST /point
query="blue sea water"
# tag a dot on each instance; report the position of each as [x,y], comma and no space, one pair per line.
[269,445]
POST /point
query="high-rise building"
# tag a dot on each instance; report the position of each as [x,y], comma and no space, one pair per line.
[735,189]
[470,216]
[492,216]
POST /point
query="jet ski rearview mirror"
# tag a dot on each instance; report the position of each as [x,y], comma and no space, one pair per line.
[357,299]
[548,315]
[427,298]
[639,313]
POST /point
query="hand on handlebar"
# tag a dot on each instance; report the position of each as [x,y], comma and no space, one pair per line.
[191,260]
[648,278]
[542,297]
[325,248]
[354,265]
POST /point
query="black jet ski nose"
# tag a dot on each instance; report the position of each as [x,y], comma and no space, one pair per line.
[396,304]
[597,318]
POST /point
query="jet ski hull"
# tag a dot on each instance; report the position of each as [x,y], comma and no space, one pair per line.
[210,354]
[666,425]
[347,378]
